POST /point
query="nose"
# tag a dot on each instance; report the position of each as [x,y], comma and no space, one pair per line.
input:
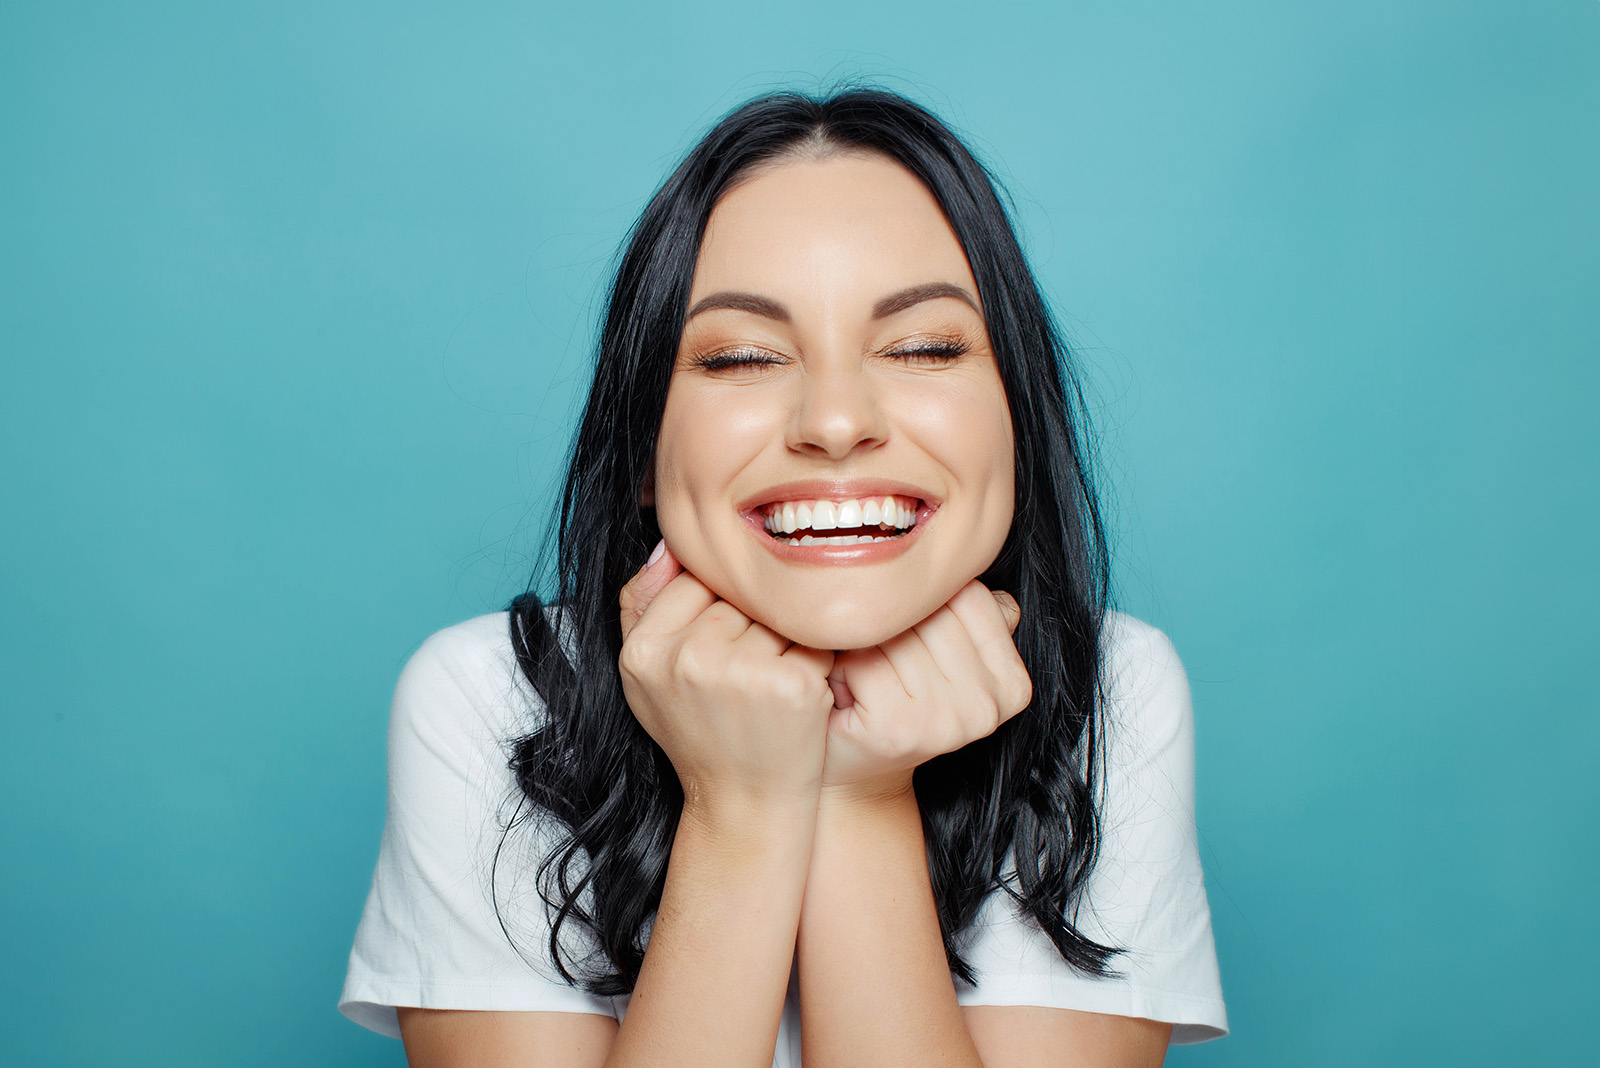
[838,411]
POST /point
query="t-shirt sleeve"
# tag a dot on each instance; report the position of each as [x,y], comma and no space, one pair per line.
[429,934]
[1146,894]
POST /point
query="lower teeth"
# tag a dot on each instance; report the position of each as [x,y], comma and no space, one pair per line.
[847,539]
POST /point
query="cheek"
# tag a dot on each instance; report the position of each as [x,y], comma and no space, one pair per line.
[710,433]
[990,439]
[681,476]
[980,449]
[970,433]
[703,445]
[1003,478]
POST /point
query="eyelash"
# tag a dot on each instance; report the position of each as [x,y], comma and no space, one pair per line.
[938,352]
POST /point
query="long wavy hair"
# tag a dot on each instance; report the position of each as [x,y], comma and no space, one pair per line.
[1026,794]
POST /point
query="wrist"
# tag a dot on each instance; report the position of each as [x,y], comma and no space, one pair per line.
[748,816]
[889,792]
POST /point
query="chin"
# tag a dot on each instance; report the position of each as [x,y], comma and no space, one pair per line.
[841,627]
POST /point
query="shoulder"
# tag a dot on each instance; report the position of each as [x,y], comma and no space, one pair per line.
[1147,738]
[1145,894]
[433,932]
[1146,688]
[1135,650]
[464,679]
[472,643]
[459,706]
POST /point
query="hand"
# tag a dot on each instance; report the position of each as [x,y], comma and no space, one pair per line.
[949,680]
[740,711]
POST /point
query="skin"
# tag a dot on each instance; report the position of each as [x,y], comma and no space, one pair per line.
[839,400]
[795,699]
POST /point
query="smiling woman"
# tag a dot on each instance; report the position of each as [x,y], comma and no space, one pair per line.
[829,738]
[834,362]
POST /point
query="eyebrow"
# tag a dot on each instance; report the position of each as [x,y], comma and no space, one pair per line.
[893,304]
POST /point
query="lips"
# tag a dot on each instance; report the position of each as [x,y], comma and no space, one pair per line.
[838,521]
[871,510]
[819,489]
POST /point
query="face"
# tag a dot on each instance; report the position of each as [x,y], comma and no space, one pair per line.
[836,456]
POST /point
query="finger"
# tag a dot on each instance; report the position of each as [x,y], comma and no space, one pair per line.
[969,686]
[863,671]
[843,697]
[950,647]
[763,640]
[990,617]
[722,621]
[821,661]
[913,665]
[989,630]
[977,699]
[646,584]
[894,727]
[816,663]
[676,605]
[1009,608]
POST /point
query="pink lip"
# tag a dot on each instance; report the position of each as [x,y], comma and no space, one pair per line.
[836,490]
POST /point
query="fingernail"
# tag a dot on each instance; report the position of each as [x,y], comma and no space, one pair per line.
[655,554]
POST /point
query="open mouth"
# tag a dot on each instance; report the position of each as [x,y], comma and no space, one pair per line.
[850,521]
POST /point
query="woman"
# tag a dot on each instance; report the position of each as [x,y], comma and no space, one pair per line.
[826,770]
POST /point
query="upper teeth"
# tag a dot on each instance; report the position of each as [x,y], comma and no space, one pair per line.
[790,516]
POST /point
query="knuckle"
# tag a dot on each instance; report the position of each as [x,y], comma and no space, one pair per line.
[789,688]
[1019,689]
[977,720]
[691,665]
[702,660]
[902,741]
[635,657]
[954,735]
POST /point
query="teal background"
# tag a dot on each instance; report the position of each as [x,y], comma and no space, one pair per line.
[295,306]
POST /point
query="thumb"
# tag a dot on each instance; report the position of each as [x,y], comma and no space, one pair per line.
[652,578]
[1009,609]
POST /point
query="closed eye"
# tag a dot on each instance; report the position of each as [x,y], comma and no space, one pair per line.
[735,359]
[922,353]
[929,353]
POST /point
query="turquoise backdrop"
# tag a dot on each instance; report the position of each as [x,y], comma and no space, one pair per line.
[295,307]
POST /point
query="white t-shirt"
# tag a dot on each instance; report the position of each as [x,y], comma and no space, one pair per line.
[429,935]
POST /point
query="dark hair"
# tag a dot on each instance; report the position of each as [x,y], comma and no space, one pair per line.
[1029,788]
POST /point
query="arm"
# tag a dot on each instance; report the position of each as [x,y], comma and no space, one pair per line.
[458,1038]
[712,986]
[742,715]
[875,987]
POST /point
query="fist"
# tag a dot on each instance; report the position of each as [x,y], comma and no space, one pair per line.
[946,682]
[740,711]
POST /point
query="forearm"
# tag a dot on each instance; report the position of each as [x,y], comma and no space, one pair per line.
[875,987]
[712,985]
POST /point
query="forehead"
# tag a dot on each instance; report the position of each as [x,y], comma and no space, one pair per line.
[854,224]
